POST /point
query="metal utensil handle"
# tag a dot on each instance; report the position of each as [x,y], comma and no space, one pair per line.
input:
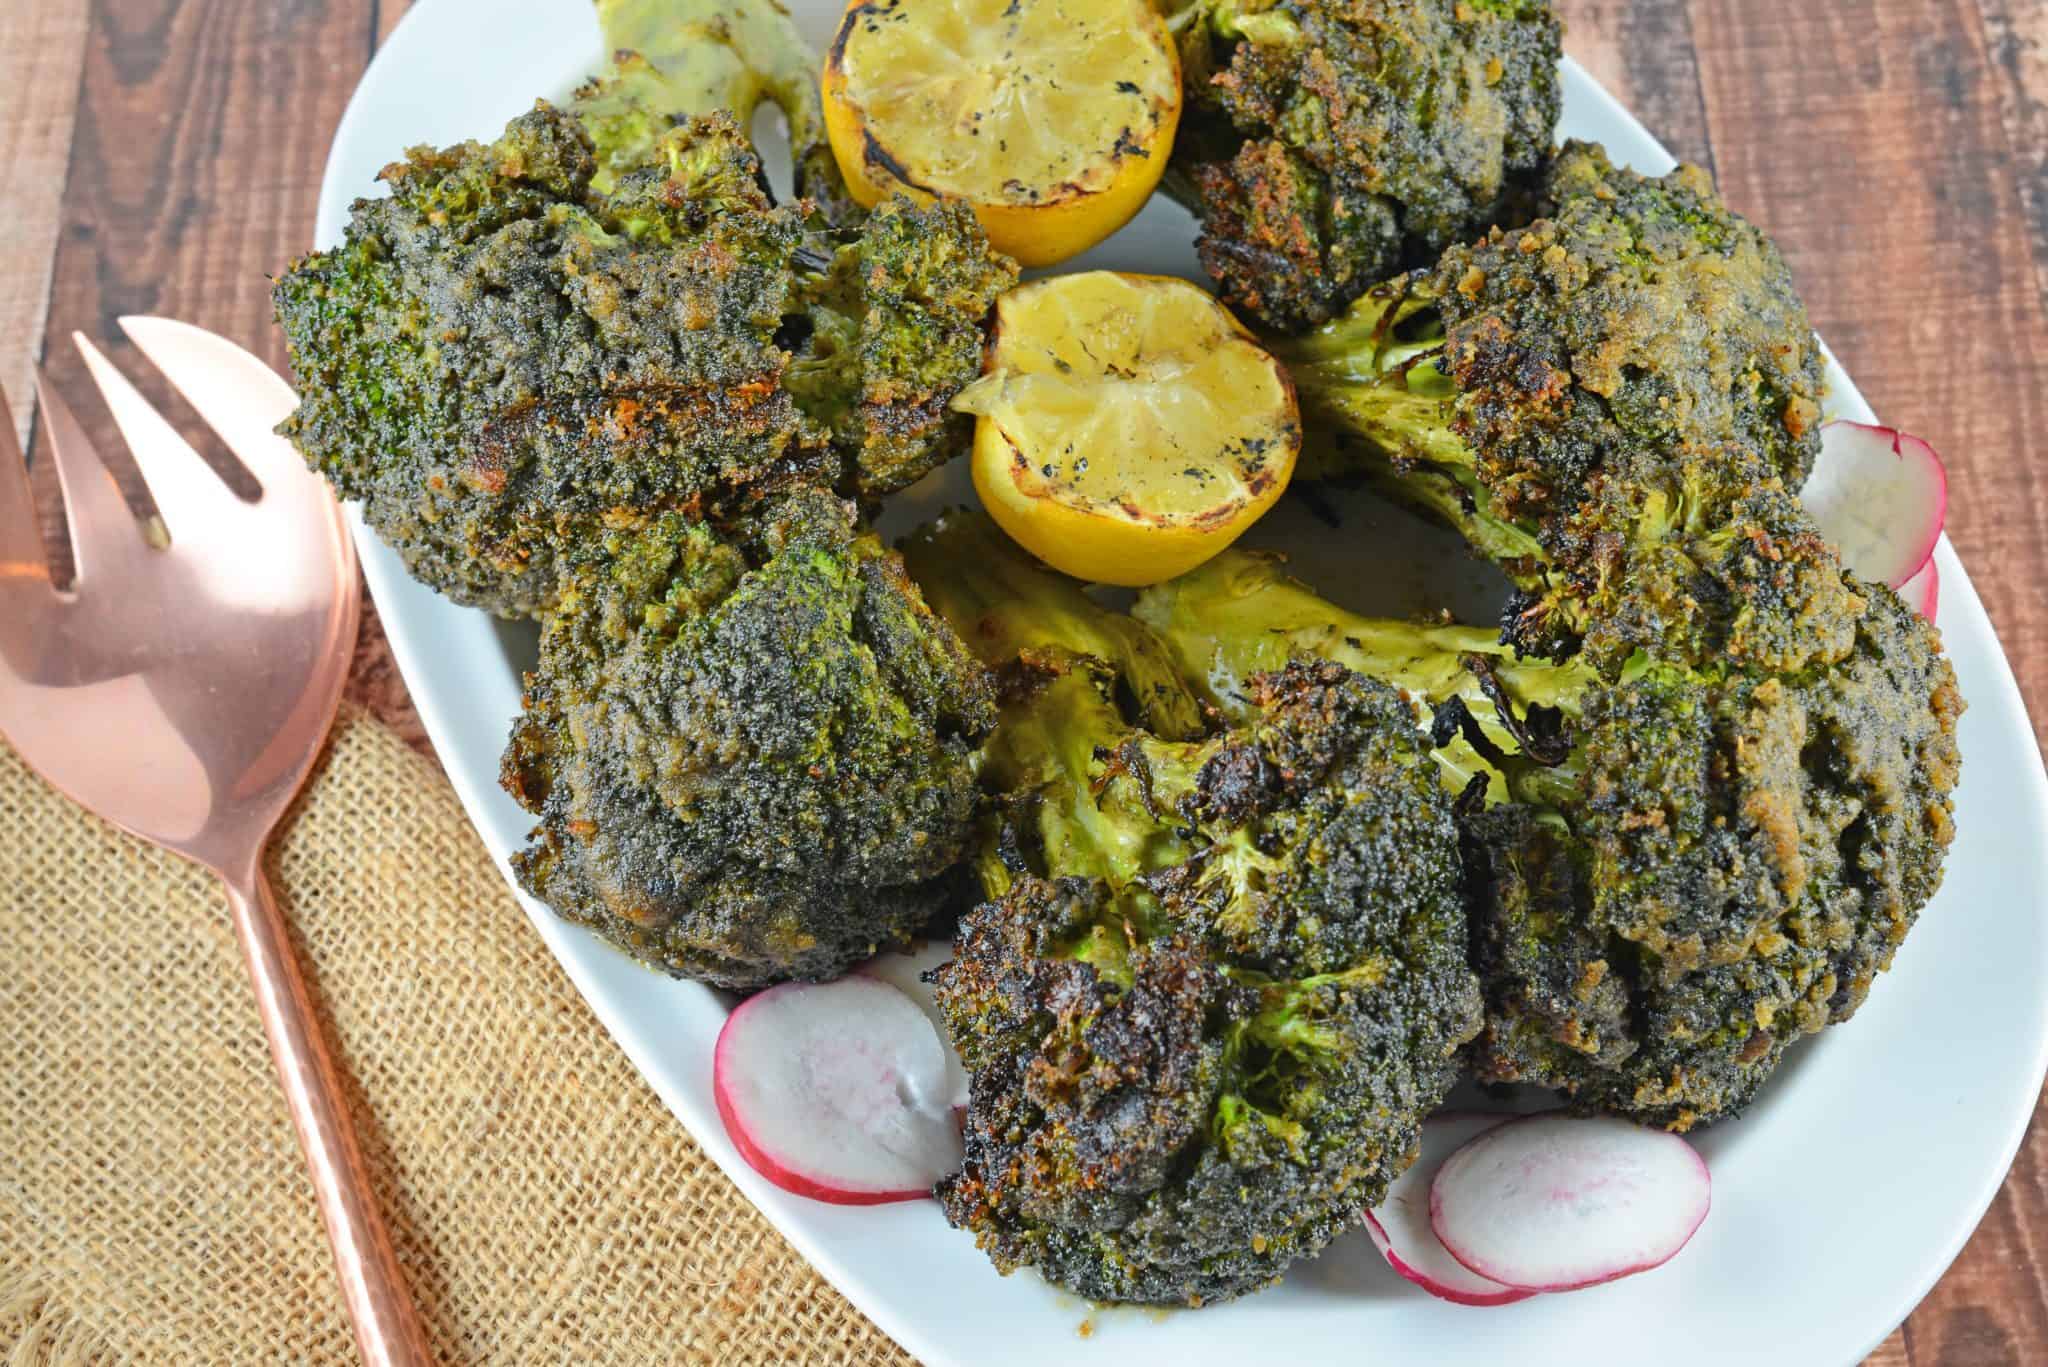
[387,1327]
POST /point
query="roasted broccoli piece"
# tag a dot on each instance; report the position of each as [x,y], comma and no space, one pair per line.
[1006,604]
[1689,866]
[1072,676]
[1219,982]
[1619,405]
[675,59]
[499,358]
[1185,1082]
[750,762]
[1327,144]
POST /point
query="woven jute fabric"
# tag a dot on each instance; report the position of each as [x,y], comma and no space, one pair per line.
[153,1203]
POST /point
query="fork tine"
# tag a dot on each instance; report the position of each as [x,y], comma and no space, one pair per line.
[104,533]
[22,555]
[242,399]
[187,492]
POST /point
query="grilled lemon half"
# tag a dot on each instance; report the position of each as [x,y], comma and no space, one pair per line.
[1127,427]
[1052,118]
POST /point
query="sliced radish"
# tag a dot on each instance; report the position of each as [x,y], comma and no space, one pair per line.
[1554,1202]
[1880,495]
[1923,591]
[837,1091]
[1400,1230]
[905,973]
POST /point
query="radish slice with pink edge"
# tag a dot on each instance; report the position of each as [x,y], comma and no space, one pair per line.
[1923,591]
[1399,1225]
[837,1091]
[905,972]
[1555,1202]
[1881,496]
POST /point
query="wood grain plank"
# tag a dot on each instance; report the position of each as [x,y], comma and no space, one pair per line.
[1897,204]
[2017,32]
[42,48]
[384,17]
[1643,52]
[201,131]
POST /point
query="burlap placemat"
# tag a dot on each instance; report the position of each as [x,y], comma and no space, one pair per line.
[153,1206]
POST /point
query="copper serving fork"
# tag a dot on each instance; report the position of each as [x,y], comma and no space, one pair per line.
[182,687]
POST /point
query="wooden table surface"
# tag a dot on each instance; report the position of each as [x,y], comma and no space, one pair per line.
[162,156]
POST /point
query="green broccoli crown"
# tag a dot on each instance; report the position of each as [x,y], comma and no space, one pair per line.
[1617,404]
[1221,978]
[1569,1007]
[1692,866]
[1640,311]
[1183,1083]
[747,766]
[500,357]
[1755,852]
[1327,144]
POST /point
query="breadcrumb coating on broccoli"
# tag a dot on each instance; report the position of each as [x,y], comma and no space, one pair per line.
[1686,868]
[748,767]
[1617,404]
[500,358]
[1327,144]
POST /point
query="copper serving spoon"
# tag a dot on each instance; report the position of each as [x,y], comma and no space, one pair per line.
[183,690]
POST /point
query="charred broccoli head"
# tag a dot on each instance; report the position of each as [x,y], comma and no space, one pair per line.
[750,763]
[501,358]
[1743,859]
[1327,144]
[1220,981]
[1618,404]
[1184,1083]
[1688,867]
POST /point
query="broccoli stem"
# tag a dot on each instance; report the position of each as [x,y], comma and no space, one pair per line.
[1088,751]
[1242,615]
[1236,21]
[676,59]
[1378,404]
[1005,604]
[1058,750]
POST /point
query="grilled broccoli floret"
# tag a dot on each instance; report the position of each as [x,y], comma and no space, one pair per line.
[500,358]
[1690,866]
[1072,677]
[1618,404]
[1185,1082]
[1006,604]
[1327,144]
[749,763]
[1220,981]
[675,59]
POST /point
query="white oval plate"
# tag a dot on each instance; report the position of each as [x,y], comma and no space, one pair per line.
[1838,1200]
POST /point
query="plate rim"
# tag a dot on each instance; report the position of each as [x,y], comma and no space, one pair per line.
[390,589]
